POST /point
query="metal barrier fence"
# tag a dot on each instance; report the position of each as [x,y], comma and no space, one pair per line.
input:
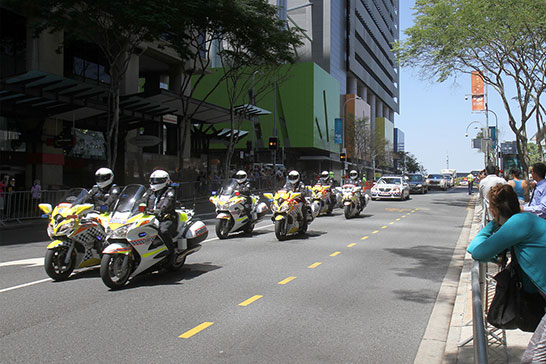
[478,326]
[19,205]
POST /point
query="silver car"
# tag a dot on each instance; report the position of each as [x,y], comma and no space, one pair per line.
[390,188]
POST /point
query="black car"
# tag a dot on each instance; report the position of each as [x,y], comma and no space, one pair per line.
[417,183]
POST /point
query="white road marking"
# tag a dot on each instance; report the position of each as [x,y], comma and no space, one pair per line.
[24,285]
[31,262]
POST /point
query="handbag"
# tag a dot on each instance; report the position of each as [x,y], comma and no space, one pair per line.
[512,307]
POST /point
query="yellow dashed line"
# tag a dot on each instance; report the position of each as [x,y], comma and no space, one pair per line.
[392,222]
[250,300]
[384,227]
[364,238]
[195,330]
[397,219]
[375,232]
[404,216]
[335,253]
[353,244]
[289,279]
[314,265]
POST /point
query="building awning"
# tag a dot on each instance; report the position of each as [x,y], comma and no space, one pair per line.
[41,94]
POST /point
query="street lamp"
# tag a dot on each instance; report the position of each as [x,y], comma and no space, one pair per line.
[468,126]
[342,146]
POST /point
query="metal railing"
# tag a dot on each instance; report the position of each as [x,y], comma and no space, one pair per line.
[478,322]
[20,205]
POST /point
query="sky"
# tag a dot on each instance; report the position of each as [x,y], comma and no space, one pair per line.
[434,116]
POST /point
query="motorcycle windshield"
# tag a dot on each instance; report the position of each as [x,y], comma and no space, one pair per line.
[129,198]
[73,196]
[228,188]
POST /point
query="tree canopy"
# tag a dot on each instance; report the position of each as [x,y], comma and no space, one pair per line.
[504,40]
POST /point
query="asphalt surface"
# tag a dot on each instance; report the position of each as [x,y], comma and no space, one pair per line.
[368,301]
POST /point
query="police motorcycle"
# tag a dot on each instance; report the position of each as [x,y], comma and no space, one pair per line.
[287,213]
[134,245]
[77,232]
[230,212]
[321,198]
[349,197]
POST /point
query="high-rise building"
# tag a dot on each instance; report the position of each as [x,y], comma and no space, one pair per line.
[352,40]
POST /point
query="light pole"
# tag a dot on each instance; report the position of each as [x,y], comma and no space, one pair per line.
[487,110]
[342,146]
[486,151]
[253,102]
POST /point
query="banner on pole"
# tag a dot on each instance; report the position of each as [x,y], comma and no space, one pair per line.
[338,131]
[478,96]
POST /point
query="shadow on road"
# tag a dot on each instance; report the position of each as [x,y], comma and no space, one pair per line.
[431,262]
[419,296]
[164,278]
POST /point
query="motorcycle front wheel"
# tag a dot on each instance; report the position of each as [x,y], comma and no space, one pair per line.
[223,226]
[280,231]
[55,266]
[113,272]
[347,211]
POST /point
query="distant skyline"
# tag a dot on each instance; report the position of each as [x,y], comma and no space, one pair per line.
[434,116]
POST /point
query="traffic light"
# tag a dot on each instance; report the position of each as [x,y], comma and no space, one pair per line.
[342,157]
[273,143]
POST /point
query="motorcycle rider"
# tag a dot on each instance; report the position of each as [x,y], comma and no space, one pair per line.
[244,190]
[324,178]
[294,184]
[354,180]
[104,193]
[160,200]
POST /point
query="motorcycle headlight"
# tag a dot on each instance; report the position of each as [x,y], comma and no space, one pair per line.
[66,228]
[121,231]
[50,231]
[283,207]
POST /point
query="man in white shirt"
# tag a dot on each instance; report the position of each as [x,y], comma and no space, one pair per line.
[485,185]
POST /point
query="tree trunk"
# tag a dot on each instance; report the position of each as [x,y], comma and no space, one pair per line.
[184,123]
[523,153]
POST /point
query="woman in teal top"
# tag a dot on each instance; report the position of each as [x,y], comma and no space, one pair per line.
[523,231]
[526,234]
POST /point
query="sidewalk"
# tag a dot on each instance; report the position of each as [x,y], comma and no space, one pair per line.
[460,328]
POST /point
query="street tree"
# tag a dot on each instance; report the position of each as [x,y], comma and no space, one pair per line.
[117,27]
[245,35]
[370,146]
[504,40]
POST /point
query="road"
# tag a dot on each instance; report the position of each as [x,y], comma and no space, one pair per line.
[349,291]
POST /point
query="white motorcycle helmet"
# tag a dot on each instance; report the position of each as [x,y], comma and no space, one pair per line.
[241,176]
[294,177]
[324,174]
[104,177]
[353,174]
[159,180]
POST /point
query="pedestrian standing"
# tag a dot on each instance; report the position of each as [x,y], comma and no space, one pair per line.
[3,187]
[537,205]
[519,185]
[470,179]
[10,200]
[36,192]
[483,188]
